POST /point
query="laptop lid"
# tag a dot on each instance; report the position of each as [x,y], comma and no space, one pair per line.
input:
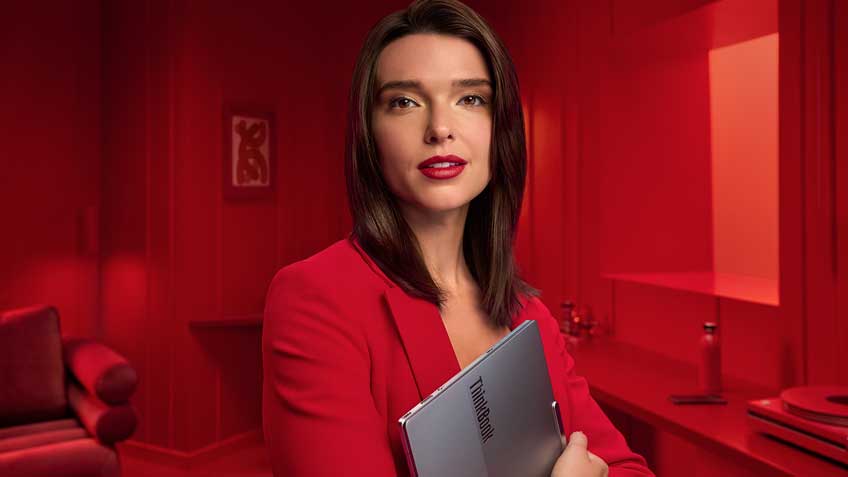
[497,417]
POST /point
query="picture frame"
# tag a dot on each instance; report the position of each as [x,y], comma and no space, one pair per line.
[249,152]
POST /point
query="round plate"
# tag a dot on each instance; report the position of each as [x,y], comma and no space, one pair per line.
[827,404]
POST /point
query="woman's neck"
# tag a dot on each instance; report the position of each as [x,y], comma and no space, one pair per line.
[440,238]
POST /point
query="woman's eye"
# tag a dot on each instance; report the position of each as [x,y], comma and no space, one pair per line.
[473,98]
[401,103]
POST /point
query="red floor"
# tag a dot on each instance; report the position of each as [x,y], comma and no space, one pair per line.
[250,461]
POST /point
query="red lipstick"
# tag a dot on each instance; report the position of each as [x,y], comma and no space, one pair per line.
[442,167]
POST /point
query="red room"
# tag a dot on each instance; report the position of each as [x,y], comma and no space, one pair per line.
[683,217]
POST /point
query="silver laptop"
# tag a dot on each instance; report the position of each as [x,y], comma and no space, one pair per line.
[497,417]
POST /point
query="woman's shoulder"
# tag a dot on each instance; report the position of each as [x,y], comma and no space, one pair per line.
[530,306]
[533,308]
[334,271]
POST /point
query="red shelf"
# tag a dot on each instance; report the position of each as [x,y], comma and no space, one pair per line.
[739,287]
[638,382]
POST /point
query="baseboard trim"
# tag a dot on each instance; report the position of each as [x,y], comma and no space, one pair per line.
[183,459]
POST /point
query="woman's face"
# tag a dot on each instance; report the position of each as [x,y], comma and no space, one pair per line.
[434,98]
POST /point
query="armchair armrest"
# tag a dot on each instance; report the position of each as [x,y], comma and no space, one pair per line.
[100,370]
[109,424]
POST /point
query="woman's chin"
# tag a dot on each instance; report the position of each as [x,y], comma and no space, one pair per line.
[442,205]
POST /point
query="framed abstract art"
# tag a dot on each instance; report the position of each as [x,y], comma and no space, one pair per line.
[249,153]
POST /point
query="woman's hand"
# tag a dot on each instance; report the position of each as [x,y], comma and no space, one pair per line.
[577,461]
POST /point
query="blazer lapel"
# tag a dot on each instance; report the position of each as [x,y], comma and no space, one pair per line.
[422,333]
[428,347]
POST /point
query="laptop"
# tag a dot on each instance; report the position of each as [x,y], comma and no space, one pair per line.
[497,417]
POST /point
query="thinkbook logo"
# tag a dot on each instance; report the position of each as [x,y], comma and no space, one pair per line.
[481,408]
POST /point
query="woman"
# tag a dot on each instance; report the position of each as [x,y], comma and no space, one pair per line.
[359,333]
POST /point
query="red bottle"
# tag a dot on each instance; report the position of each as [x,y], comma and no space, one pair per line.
[709,371]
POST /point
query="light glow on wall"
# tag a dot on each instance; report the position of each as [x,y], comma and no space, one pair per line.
[745,152]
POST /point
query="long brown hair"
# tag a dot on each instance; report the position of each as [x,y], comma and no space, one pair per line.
[490,226]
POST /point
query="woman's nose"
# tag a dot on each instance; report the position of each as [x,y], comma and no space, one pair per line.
[439,134]
[438,130]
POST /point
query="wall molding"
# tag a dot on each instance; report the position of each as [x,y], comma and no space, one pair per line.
[186,460]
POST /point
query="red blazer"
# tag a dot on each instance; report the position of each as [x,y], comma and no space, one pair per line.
[346,352]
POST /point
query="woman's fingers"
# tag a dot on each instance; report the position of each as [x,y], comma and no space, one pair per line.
[576,450]
[578,439]
[573,457]
[577,461]
[599,462]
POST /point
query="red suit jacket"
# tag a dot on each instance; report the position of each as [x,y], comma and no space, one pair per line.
[346,352]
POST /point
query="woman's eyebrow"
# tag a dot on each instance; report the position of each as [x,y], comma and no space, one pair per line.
[415,84]
[466,83]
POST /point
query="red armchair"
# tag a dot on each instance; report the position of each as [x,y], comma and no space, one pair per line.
[63,403]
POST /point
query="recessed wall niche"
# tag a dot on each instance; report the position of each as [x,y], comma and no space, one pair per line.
[689,184]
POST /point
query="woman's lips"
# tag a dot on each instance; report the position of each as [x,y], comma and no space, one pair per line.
[443,172]
[442,167]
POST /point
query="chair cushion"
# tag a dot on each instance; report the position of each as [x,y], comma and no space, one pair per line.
[31,369]
[100,370]
[109,424]
[41,439]
[46,426]
[74,458]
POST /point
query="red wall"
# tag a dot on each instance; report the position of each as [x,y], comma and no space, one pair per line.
[841,171]
[576,100]
[50,93]
[565,72]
